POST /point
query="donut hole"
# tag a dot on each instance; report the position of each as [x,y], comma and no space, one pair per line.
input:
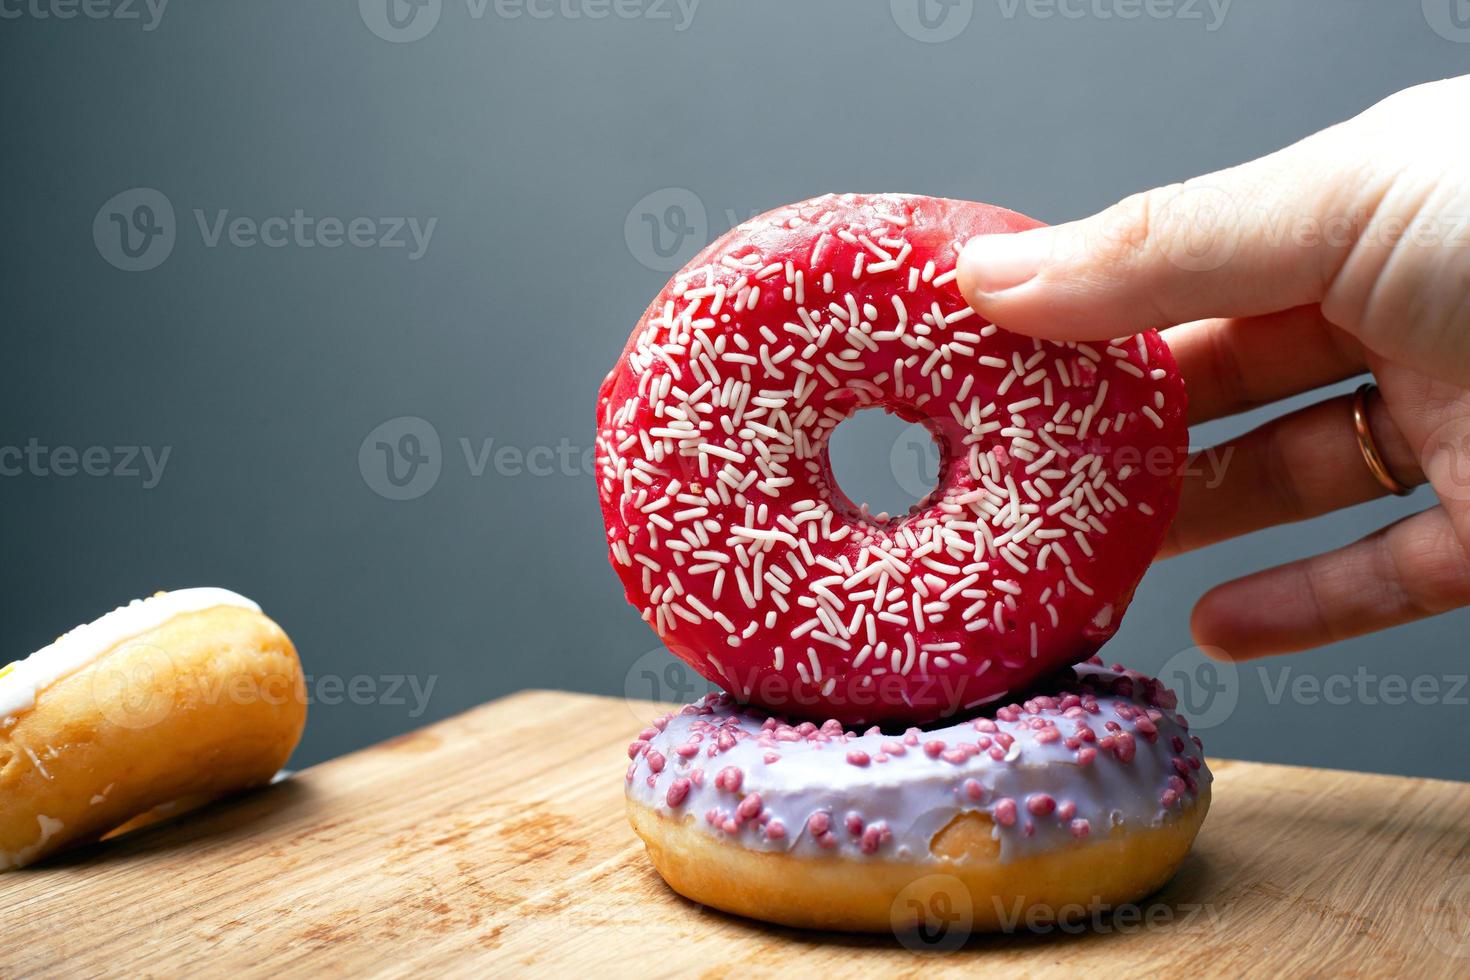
[885,466]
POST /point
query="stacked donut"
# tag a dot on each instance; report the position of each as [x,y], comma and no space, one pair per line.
[989,764]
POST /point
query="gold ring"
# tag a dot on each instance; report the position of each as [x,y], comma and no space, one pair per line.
[1369,447]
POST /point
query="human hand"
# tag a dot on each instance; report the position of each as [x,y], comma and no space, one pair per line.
[1344,253]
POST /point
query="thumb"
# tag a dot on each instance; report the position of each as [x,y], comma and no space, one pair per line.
[1227,244]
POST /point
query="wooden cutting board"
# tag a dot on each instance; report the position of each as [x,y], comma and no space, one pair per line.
[495,842]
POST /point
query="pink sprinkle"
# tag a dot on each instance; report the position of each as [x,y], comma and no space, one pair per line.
[775,830]
[973,789]
[875,837]
[1127,747]
[725,741]
[656,760]
[648,734]
[635,747]
[1047,735]
[631,766]
[770,757]
[955,757]
[1081,827]
[933,748]
[749,807]
[997,753]
[1005,811]
[678,792]
[1169,798]
[1040,804]
[985,725]
[730,826]
[1067,810]
[687,751]
[894,748]
[729,779]
[819,823]
[858,757]
[696,776]
[827,841]
[911,737]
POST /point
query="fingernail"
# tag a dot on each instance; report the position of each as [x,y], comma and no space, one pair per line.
[995,263]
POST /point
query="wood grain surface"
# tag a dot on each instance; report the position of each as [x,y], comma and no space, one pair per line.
[481,846]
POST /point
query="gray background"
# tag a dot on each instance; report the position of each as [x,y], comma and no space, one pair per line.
[532,141]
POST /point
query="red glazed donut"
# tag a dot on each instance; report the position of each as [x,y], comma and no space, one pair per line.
[1058,477]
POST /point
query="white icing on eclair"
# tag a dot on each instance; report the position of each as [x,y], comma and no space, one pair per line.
[50,827]
[22,682]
